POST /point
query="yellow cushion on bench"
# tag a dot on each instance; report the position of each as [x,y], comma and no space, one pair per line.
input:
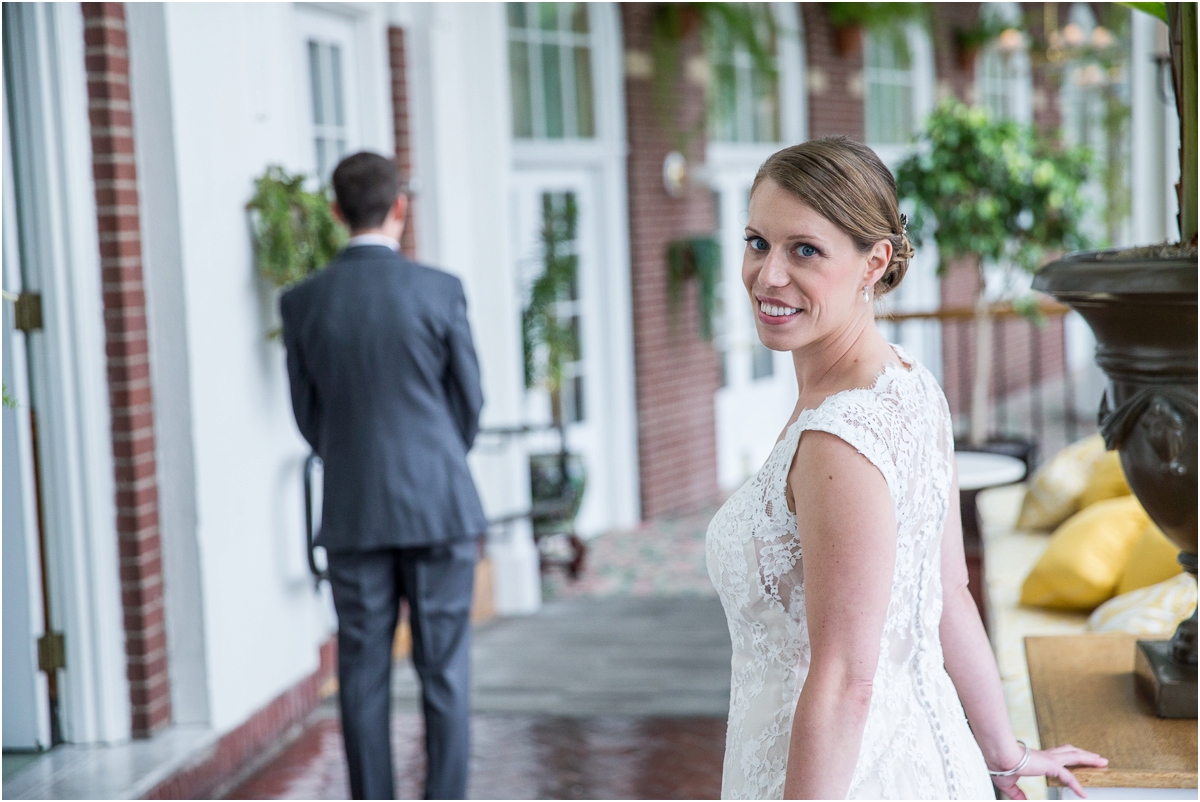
[1154,559]
[1155,610]
[1086,557]
[1107,480]
[1055,489]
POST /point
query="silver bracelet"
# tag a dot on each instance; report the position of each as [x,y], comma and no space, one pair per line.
[1015,768]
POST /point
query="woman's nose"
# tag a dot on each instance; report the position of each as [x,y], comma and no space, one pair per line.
[774,271]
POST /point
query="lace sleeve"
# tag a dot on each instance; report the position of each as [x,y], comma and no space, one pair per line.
[866,427]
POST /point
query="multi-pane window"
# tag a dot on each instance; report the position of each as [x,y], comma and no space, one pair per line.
[328,107]
[1002,73]
[550,69]
[888,88]
[744,98]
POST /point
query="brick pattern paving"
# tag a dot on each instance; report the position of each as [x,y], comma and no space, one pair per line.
[664,557]
[538,756]
[239,747]
[521,757]
[127,348]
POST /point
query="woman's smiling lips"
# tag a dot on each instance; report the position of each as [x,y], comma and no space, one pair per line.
[776,313]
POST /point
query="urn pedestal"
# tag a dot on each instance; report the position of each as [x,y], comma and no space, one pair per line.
[1141,305]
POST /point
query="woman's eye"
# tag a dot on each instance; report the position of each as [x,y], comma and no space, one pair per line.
[807,251]
[757,243]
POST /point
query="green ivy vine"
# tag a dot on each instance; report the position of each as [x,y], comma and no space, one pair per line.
[698,258]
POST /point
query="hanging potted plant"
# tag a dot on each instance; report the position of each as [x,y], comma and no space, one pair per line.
[1141,305]
[968,42]
[695,259]
[991,193]
[294,231]
[849,20]
[550,340]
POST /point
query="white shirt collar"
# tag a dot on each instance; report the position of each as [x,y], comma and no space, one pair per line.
[374,239]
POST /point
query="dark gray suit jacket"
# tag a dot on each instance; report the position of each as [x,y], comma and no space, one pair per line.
[385,388]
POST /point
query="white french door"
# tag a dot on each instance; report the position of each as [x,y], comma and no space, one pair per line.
[593,417]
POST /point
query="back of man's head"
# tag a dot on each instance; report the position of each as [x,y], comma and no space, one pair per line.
[366,185]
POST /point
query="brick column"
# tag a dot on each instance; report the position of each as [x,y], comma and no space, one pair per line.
[399,69]
[677,371]
[126,344]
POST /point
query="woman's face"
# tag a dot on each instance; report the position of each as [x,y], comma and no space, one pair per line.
[805,276]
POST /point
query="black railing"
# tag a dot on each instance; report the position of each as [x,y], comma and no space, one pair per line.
[541,509]
[1032,390]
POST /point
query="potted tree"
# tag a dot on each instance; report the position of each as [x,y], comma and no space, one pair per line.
[1141,305]
[991,192]
[550,341]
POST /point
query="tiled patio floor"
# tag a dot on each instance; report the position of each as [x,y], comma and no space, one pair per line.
[618,689]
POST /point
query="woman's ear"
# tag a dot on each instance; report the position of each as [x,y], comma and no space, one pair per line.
[877,262]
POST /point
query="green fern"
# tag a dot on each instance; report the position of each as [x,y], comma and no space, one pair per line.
[295,231]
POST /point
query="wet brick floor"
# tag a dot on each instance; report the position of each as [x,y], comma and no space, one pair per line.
[521,757]
[536,755]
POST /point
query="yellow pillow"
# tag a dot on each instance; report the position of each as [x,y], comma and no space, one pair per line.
[1054,490]
[1107,480]
[1155,610]
[1154,559]
[1086,557]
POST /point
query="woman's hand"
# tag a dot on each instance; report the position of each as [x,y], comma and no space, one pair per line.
[1050,763]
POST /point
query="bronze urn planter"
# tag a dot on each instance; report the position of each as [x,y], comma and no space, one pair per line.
[1141,305]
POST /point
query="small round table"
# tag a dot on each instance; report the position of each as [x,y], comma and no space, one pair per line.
[979,470]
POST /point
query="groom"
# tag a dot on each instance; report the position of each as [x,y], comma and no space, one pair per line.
[385,388]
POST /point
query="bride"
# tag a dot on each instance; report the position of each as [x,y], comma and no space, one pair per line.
[860,666]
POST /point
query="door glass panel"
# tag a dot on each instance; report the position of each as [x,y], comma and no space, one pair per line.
[552,89]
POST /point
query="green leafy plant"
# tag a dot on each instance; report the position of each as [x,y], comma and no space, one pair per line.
[8,400]
[875,16]
[992,192]
[295,231]
[747,25]
[549,341]
[696,258]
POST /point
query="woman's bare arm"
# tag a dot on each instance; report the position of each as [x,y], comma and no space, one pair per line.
[972,667]
[847,530]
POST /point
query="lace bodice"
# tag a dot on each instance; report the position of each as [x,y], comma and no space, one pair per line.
[916,743]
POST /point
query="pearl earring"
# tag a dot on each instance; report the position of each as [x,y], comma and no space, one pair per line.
[866,296]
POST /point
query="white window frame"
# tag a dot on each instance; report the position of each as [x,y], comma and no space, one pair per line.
[565,42]
[1015,83]
[328,27]
[920,48]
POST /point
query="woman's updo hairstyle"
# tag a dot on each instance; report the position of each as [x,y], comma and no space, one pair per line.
[845,182]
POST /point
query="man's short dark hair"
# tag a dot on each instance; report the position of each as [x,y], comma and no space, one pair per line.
[366,185]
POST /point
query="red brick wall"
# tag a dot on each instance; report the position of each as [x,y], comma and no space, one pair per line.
[126,345]
[399,70]
[676,370]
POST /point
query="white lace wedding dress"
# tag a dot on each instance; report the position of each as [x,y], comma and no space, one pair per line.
[916,744]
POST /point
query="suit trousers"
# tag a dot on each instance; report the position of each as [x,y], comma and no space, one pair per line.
[367,588]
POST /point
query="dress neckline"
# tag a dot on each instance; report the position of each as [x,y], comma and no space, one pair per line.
[906,366]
